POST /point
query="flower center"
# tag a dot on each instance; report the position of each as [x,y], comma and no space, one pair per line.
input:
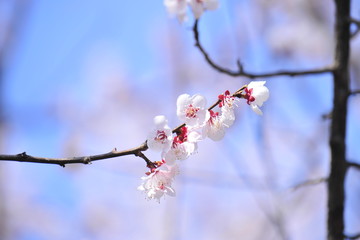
[160,136]
[191,111]
[213,117]
[248,95]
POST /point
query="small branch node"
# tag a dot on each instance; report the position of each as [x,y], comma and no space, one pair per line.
[23,155]
[87,160]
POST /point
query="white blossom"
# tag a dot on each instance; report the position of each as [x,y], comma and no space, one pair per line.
[160,138]
[256,94]
[183,145]
[158,182]
[199,6]
[177,8]
[192,110]
[215,127]
[227,100]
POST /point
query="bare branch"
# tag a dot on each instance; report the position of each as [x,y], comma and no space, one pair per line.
[338,164]
[354,165]
[354,92]
[23,157]
[310,182]
[242,72]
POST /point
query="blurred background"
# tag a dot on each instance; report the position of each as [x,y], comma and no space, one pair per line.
[82,77]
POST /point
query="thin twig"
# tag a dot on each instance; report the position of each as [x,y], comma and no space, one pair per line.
[310,182]
[23,157]
[242,72]
[354,92]
[354,165]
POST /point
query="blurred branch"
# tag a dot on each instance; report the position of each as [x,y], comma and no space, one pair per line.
[310,182]
[352,237]
[23,157]
[357,23]
[338,164]
[354,165]
[242,72]
[354,92]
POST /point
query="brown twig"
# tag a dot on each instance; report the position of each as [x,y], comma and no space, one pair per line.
[23,157]
[241,72]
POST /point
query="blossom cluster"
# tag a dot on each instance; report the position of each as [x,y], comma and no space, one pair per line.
[199,123]
[178,8]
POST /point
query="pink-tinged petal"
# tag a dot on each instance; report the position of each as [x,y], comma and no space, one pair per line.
[191,110]
[211,4]
[227,116]
[256,95]
[197,8]
[160,138]
[177,8]
[158,183]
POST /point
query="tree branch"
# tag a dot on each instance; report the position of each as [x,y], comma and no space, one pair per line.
[354,92]
[138,151]
[354,165]
[338,165]
[310,182]
[23,157]
[242,72]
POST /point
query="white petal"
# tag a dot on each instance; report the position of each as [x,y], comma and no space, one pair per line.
[160,121]
[199,101]
[256,109]
[227,116]
[255,84]
[194,137]
[170,191]
[197,8]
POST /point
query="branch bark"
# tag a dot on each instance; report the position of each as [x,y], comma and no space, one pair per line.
[242,73]
[336,192]
[23,157]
